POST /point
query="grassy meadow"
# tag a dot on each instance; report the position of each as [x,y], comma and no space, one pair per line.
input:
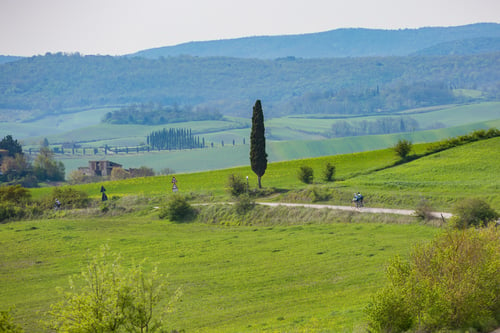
[229,156]
[278,278]
[288,270]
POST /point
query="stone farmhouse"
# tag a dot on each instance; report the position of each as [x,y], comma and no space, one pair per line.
[99,168]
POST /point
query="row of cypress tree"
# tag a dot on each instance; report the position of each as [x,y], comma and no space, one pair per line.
[174,138]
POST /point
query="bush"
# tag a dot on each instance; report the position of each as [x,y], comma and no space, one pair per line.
[244,204]
[403,148]
[7,324]
[111,298]
[329,172]
[15,194]
[10,212]
[236,185]
[452,283]
[177,209]
[143,171]
[119,174]
[69,198]
[306,174]
[424,210]
[472,212]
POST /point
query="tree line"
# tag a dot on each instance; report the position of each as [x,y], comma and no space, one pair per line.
[172,139]
[54,83]
[384,125]
[157,114]
[16,168]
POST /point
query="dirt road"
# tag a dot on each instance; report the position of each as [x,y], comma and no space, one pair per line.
[362,210]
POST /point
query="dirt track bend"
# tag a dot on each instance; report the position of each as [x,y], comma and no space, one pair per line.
[362,210]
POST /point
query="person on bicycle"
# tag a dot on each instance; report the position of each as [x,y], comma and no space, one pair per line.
[359,197]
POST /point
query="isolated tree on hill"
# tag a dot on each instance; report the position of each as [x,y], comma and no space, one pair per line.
[403,148]
[258,155]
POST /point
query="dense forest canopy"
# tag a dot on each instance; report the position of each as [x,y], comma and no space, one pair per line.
[345,42]
[57,83]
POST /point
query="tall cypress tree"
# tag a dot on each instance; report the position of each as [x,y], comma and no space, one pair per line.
[258,155]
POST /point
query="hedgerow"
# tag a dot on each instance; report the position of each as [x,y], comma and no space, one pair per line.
[462,140]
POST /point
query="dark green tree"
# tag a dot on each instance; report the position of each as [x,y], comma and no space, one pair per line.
[258,155]
[11,145]
[403,148]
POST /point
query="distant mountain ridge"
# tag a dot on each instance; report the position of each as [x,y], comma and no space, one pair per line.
[350,42]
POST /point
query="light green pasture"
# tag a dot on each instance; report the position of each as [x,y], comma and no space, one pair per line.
[316,277]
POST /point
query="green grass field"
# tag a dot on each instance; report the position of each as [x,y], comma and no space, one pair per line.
[312,277]
[232,156]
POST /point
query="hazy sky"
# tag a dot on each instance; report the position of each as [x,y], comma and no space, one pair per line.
[31,27]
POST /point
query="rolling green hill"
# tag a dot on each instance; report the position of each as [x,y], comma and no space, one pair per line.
[278,276]
[238,155]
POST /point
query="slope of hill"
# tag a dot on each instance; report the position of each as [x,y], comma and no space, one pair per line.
[463,46]
[53,84]
[334,43]
[444,177]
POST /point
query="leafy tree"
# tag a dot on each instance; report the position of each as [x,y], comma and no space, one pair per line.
[403,147]
[258,155]
[11,145]
[451,283]
[46,167]
[111,299]
[306,174]
[236,185]
[15,168]
[329,172]
[77,177]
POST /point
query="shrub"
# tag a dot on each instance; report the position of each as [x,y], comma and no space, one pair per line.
[143,171]
[472,212]
[306,174]
[244,204]
[329,172]
[236,185]
[7,324]
[119,174]
[403,148]
[111,298]
[69,197]
[10,212]
[14,194]
[177,209]
[451,283]
[424,210]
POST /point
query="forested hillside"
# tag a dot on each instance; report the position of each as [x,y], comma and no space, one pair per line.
[57,83]
[354,42]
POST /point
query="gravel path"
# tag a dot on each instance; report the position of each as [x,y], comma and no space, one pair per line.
[362,210]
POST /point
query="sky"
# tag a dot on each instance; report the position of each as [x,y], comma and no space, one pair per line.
[117,27]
